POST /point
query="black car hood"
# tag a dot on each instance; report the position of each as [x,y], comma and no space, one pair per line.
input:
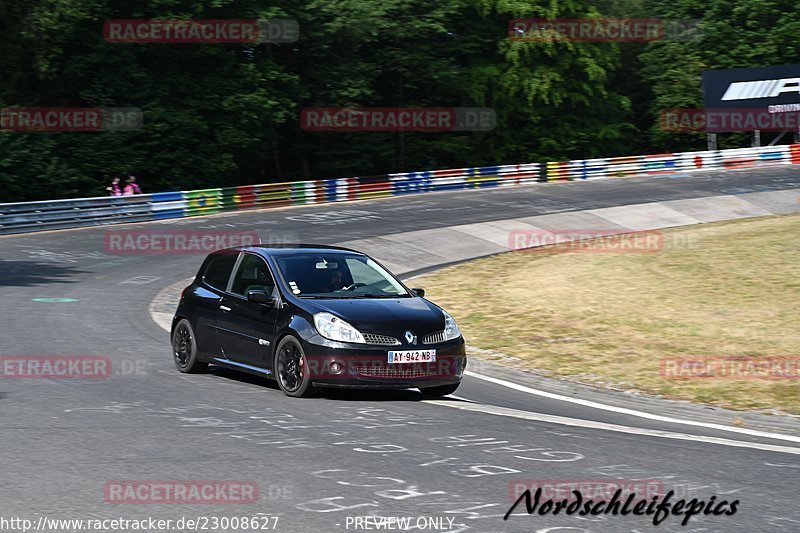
[385,316]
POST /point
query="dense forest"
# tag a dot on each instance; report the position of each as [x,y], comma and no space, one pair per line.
[227,114]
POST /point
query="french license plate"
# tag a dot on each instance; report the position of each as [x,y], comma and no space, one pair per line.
[413,356]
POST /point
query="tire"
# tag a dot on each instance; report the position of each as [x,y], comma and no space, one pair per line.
[184,349]
[443,390]
[291,369]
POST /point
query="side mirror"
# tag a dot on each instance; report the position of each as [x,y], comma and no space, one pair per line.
[418,292]
[260,297]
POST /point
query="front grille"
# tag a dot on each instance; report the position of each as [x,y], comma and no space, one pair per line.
[385,340]
[374,371]
[433,338]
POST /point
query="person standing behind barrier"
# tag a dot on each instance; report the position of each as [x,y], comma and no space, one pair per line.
[114,189]
[131,187]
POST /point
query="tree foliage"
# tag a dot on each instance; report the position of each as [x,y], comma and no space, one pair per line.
[227,114]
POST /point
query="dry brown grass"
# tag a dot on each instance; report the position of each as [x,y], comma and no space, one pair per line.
[611,318]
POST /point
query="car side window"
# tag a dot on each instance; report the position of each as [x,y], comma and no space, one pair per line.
[253,275]
[218,271]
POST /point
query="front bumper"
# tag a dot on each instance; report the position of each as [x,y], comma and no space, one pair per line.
[367,366]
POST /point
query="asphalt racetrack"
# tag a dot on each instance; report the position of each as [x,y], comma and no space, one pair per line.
[321,463]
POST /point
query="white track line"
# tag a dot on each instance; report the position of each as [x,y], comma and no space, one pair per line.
[632,412]
[539,417]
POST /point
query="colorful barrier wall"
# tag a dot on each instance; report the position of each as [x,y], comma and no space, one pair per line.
[73,213]
[671,164]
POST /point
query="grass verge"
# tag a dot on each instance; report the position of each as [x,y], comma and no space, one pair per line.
[726,289]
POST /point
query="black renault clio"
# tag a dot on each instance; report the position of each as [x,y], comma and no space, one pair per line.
[315,316]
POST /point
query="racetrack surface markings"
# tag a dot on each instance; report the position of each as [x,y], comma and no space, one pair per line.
[553,419]
[631,412]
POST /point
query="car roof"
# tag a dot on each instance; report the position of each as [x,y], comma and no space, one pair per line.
[288,249]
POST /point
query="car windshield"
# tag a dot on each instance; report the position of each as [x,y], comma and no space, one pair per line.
[338,275]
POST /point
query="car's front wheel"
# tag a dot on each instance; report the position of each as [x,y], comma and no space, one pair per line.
[184,349]
[442,390]
[291,368]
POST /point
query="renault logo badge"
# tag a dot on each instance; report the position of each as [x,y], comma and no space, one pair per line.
[411,338]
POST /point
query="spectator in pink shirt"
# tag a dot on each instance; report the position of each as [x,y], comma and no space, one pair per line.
[114,189]
[131,187]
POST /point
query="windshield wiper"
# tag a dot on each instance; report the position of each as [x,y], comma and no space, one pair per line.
[371,295]
[355,296]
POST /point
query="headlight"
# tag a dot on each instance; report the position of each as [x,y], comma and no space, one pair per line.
[451,330]
[336,329]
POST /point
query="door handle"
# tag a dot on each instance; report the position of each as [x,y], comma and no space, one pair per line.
[225,308]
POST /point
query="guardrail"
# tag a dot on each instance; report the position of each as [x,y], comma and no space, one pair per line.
[81,212]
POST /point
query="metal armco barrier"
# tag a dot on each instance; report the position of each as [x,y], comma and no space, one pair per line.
[81,212]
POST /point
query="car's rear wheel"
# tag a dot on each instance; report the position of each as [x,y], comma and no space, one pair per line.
[442,390]
[291,368]
[184,349]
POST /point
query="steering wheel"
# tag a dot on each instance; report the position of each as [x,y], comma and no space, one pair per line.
[355,286]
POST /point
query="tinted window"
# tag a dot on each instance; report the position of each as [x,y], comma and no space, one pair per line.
[253,275]
[218,271]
